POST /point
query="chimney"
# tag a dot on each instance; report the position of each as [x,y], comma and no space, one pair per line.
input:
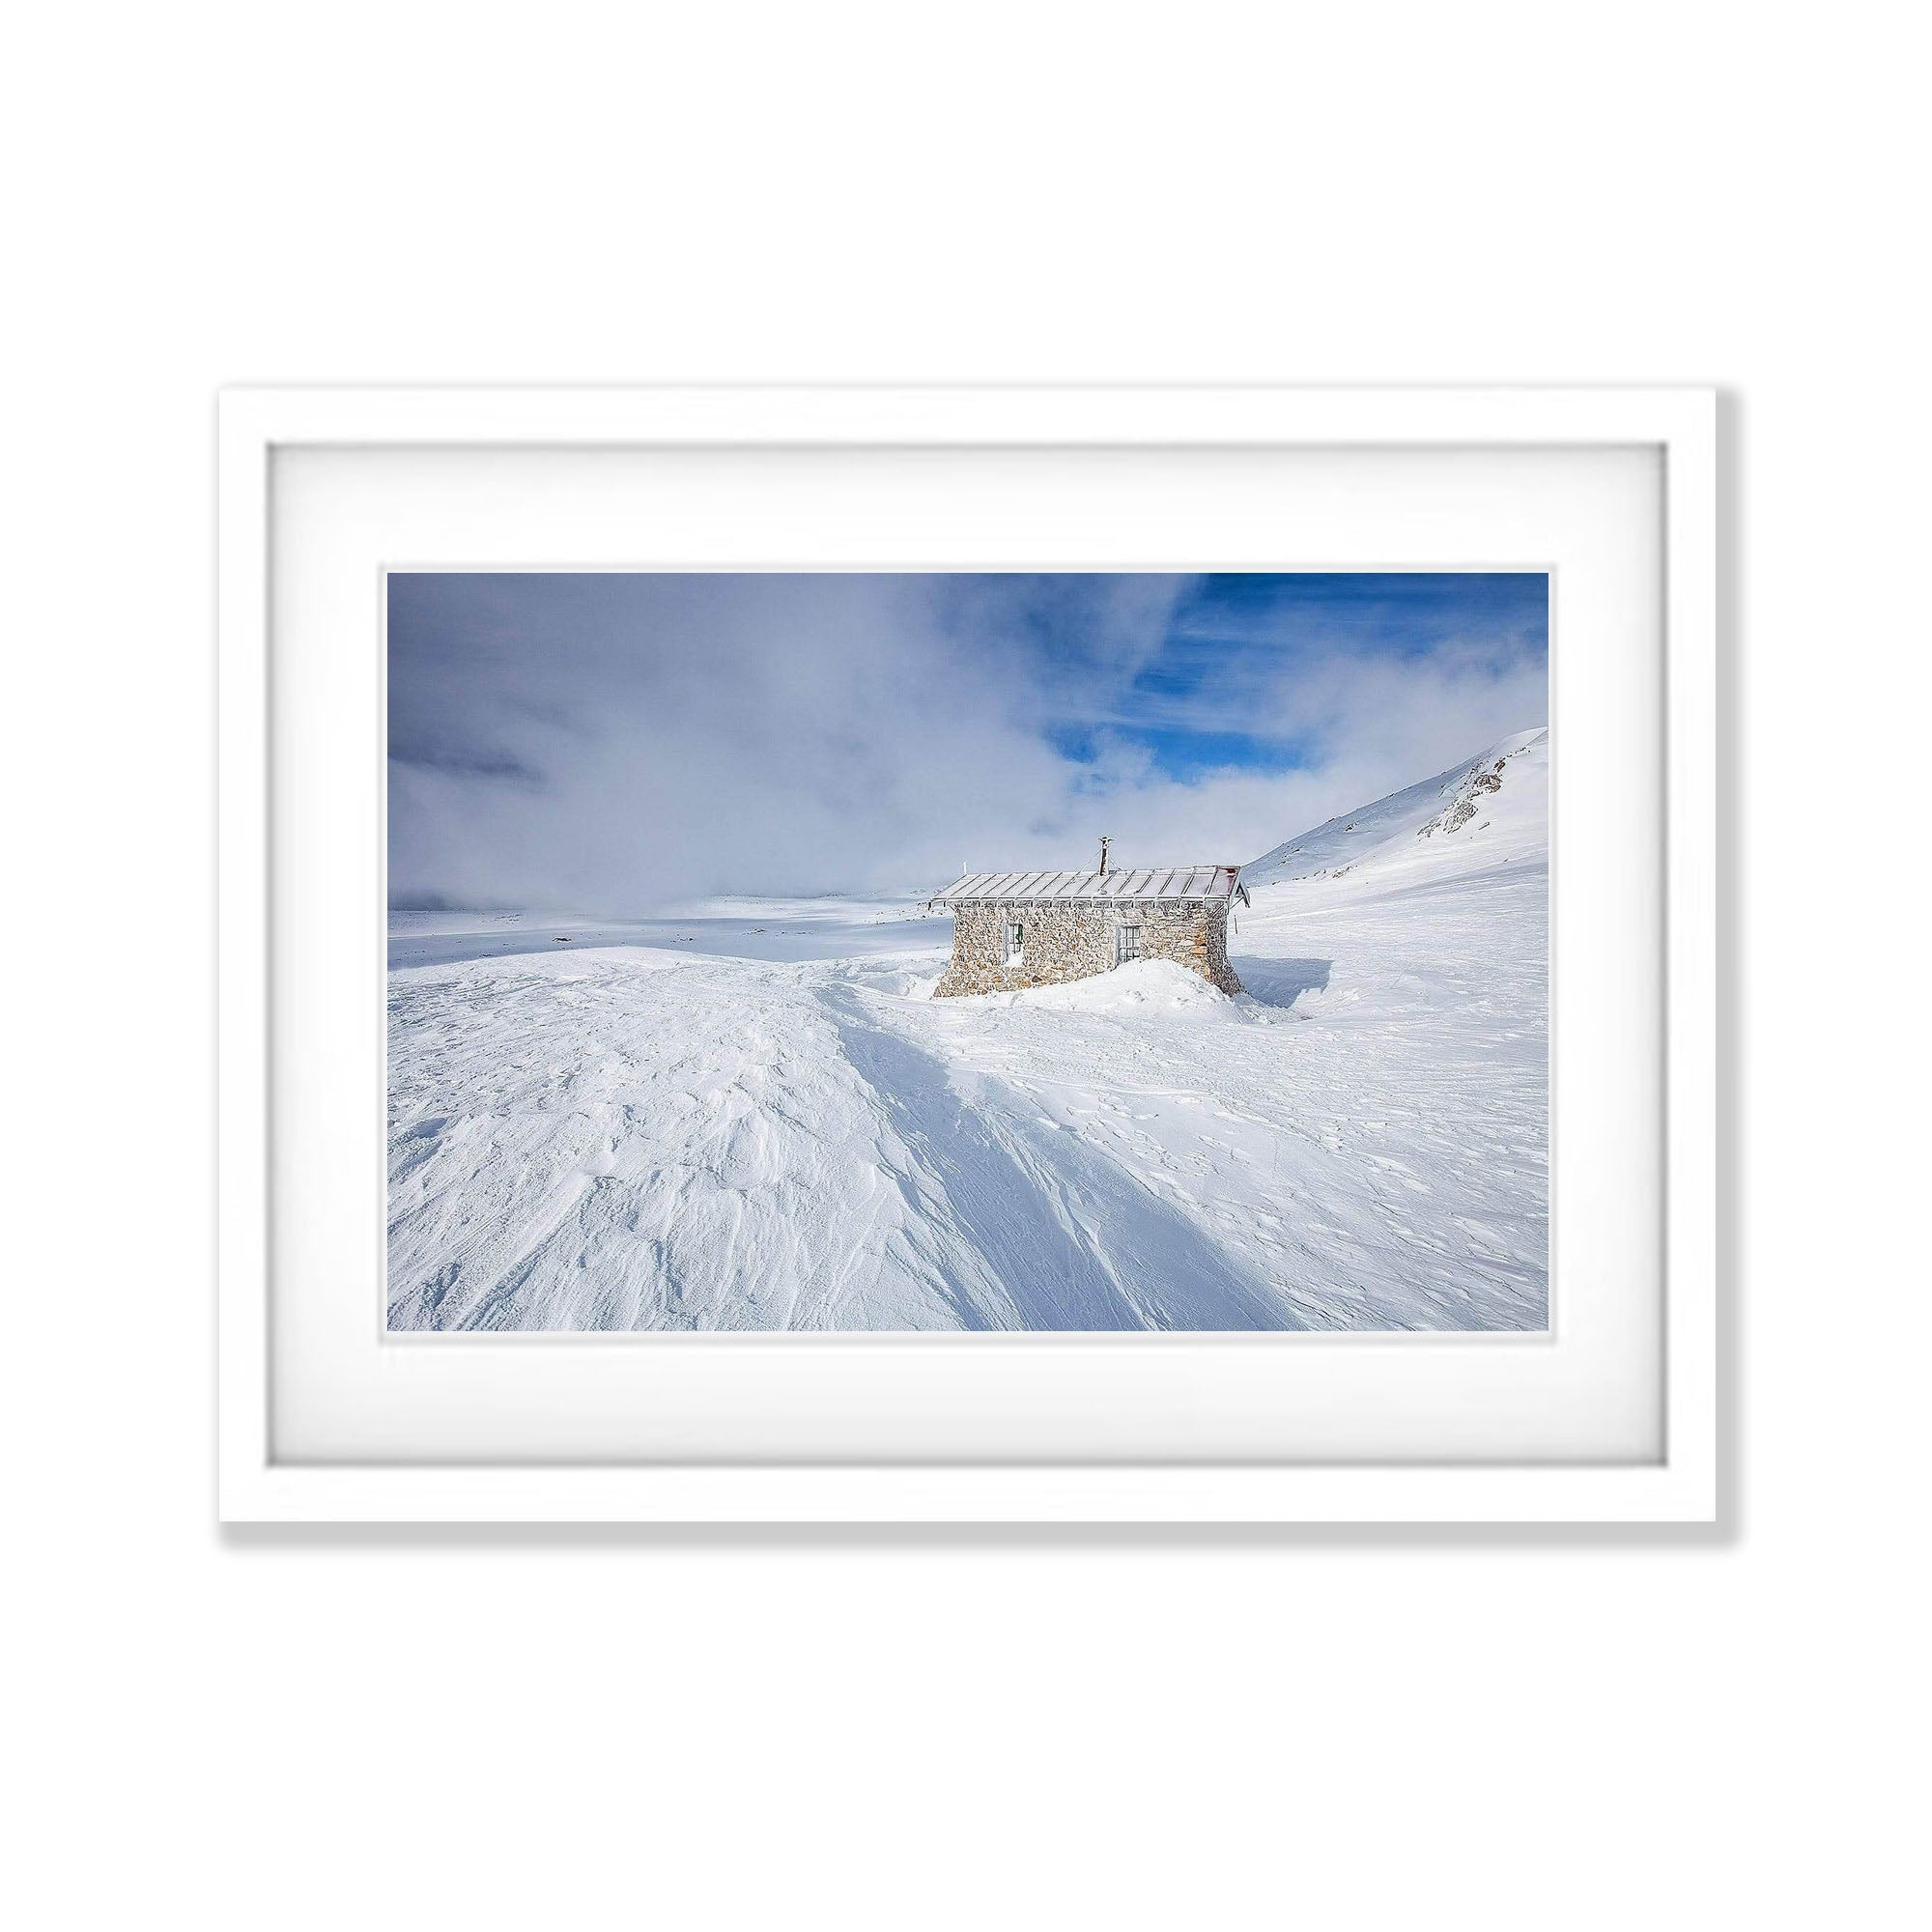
[1104,843]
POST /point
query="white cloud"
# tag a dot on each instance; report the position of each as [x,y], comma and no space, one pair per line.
[614,748]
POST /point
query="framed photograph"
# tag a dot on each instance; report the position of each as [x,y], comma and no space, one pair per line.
[968,955]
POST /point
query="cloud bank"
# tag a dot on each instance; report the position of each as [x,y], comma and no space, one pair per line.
[619,742]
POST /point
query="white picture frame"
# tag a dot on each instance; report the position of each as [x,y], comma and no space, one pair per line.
[1678,1484]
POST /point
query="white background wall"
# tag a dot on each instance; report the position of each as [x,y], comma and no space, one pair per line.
[481,1730]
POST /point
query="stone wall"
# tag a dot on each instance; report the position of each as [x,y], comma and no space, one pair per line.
[1218,968]
[1074,939]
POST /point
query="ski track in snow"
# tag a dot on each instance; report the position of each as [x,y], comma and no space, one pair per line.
[664,1133]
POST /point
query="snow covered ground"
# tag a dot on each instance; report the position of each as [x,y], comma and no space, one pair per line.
[753,1117]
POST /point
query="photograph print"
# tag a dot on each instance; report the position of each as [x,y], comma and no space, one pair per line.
[970,953]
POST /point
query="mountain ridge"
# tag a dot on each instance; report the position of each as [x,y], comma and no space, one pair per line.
[1490,808]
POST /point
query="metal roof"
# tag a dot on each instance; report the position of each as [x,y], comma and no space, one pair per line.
[1151,882]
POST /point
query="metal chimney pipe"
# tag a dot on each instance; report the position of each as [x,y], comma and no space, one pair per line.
[1104,843]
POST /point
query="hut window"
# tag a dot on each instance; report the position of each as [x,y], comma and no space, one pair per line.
[1127,943]
[1015,944]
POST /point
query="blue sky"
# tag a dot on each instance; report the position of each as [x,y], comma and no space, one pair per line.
[604,741]
[1201,704]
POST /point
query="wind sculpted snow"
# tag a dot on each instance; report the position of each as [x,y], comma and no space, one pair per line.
[755,1117]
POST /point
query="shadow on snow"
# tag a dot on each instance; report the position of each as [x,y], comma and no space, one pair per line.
[1073,1239]
[1280,982]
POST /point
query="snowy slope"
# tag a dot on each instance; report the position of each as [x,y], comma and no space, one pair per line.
[751,1116]
[1492,808]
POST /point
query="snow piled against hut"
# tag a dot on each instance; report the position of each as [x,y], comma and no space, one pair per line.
[1144,988]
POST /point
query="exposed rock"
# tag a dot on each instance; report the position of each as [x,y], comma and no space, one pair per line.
[1463,807]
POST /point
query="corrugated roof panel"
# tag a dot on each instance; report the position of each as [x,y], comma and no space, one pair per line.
[1147,882]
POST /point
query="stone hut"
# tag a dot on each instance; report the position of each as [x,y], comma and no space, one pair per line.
[1015,929]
